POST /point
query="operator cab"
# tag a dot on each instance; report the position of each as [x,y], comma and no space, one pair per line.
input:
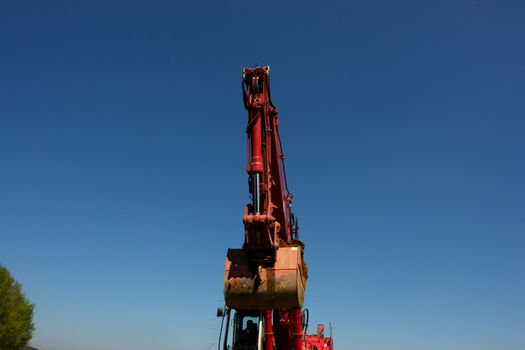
[246,328]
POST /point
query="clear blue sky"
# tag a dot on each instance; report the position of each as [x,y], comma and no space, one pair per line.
[122,166]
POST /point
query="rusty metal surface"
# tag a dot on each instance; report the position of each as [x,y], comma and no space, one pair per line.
[280,286]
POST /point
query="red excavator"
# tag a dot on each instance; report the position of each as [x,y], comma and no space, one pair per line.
[265,280]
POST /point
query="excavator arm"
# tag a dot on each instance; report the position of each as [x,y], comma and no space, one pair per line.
[269,270]
[268,187]
[265,280]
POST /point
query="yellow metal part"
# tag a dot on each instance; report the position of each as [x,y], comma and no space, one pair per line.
[280,286]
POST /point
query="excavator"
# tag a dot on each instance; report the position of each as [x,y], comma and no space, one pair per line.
[265,279]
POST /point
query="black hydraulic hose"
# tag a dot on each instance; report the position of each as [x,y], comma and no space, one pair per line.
[220,333]
[269,94]
[293,219]
[306,318]
[225,345]
[282,165]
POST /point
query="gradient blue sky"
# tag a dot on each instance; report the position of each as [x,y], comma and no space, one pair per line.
[122,166]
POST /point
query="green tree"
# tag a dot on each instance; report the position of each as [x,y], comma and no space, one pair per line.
[16,313]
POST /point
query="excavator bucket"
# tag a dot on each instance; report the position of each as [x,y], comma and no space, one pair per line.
[280,286]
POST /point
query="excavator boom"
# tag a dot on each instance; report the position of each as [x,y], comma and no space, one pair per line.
[265,279]
[269,270]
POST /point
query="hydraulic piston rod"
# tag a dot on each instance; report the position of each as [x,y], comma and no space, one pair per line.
[256,193]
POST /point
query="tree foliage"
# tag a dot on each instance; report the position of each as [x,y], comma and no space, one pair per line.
[16,314]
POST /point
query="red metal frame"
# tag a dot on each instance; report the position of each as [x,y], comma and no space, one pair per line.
[268,273]
[265,155]
[265,158]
